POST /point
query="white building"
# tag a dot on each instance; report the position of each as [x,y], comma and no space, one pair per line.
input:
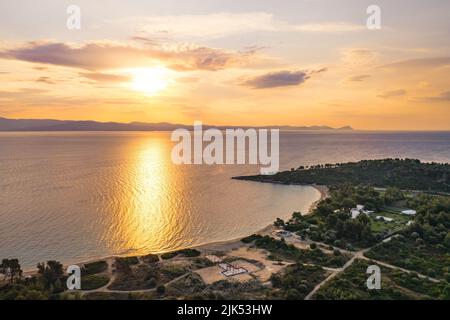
[358,210]
[409,212]
[355,213]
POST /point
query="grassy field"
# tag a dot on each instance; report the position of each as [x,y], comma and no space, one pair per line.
[384,227]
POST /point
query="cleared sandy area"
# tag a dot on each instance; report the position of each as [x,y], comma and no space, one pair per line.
[259,255]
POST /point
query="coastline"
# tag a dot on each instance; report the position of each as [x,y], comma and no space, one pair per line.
[225,245]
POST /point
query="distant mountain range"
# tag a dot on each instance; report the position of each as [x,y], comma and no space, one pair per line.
[72,125]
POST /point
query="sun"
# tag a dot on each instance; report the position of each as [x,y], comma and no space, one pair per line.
[149,81]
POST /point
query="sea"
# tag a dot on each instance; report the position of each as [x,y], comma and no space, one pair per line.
[79,196]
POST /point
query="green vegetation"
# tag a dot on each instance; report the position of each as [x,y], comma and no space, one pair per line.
[297,281]
[93,281]
[169,255]
[128,260]
[400,173]
[187,286]
[332,224]
[10,268]
[383,228]
[425,245]
[407,253]
[94,267]
[251,238]
[188,253]
[52,275]
[46,285]
[395,285]
[173,271]
[231,290]
[141,277]
[151,258]
[280,250]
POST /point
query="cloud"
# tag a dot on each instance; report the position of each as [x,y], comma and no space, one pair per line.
[21,94]
[46,80]
[392,94]
[96,56]
[443,97]
[359,78]
[104,77]
[358,57]
[420,63]
[330,27]
[223,24]
[280,79]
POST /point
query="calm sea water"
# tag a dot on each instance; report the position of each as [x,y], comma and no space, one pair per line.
[74,196]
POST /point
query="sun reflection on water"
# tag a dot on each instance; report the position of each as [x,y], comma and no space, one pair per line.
[149,220]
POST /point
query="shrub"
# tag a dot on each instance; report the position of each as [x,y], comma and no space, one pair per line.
[251,238]
[190,253]
[151,258]
[91,282]
[94,267]
[128,260]
[169,255]
[161,289]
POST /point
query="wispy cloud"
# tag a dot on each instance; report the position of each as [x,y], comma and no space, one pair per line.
[420,63]
[392,94]
[358,57]
[224,24]
[358,78]
[104,77]
[336,27]
[443,97]
[283,78]
[96,56]
[46,80]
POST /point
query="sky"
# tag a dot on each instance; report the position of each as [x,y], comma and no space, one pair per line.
[252,62]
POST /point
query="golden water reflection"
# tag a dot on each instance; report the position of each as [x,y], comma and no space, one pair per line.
[148,221]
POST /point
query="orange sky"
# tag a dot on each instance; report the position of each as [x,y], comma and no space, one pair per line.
[305,63]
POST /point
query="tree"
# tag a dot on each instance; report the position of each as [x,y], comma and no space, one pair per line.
[297,215]
[348,203]
[279,223]
[393,194]
[52,272]
[11,268]
[4,268]
[14,269]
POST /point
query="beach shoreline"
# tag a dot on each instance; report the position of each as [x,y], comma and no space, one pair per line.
[225,245]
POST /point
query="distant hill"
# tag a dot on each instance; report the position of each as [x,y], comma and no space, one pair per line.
[401,173]
[71,125]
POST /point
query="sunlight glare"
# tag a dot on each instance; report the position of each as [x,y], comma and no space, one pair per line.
[149,81]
